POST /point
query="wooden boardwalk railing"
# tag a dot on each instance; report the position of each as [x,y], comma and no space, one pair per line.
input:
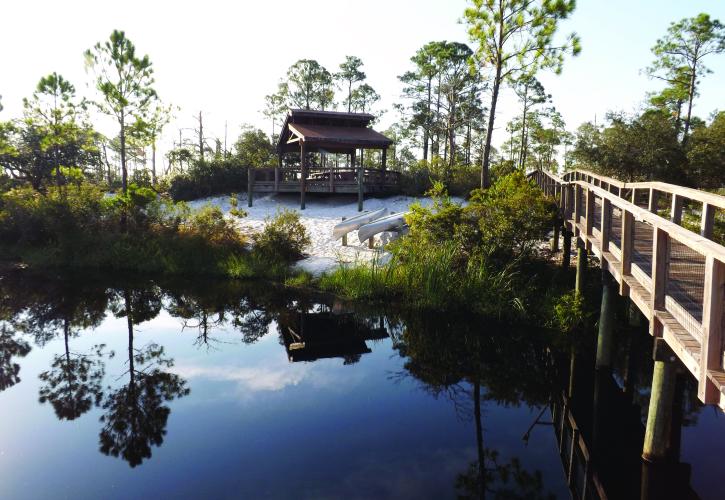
[675,276]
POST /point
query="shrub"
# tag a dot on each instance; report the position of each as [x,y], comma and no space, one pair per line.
[459,180]
[284,238]
[209,178]
[210,224]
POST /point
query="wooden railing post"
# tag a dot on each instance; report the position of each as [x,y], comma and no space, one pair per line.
[332,178]
[676,209]
[606,205]
[577,208]
[712,329]
[626,243]
[654,197]
[660,257]
[708,220]
[276,179]
[634,196]
[589,217]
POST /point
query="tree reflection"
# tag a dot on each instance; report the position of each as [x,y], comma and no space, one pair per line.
[74,382]
[457,358]
[206,307]
[136,415]
[10,348]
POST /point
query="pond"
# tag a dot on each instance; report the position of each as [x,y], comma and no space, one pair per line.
[139,389]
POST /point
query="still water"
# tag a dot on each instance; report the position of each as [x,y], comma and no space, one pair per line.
[228,390]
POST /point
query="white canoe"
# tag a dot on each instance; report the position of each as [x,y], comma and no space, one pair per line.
[391,222]
[353,223]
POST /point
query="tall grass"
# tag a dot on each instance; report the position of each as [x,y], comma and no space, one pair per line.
[436,279]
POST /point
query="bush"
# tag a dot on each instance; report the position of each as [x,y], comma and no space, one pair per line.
[459,180]
[284,238]
[209,178]
[79,227]
[210,224]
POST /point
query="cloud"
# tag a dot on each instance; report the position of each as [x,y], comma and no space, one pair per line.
[267,378]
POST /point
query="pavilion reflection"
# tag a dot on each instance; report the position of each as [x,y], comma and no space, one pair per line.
[324,332]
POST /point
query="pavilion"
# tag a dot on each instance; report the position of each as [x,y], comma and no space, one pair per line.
[305,149]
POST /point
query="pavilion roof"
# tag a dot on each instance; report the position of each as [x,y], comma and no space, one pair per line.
[330,131]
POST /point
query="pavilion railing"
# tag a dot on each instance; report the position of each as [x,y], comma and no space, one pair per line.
[675,275]
[325,177]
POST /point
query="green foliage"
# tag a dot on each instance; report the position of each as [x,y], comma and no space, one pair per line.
[459,180]
[452,258]
[706,154]
[283,239]
[78,227]
[639,148]
[679,59]
[516,38]
[511,217]
[568,312]
[125,82]
[209,178]
[254,149]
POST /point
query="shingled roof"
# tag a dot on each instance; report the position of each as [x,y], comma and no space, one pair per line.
[331,131]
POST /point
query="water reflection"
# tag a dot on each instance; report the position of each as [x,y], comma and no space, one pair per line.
[135,413]
[472,363]
[477,368]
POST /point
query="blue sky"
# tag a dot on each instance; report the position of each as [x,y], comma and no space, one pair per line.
[224,57]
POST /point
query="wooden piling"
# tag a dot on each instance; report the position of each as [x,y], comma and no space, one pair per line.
[581,266]
[344,236]
[659,417]
[555,239]
[566,257]
[605,339]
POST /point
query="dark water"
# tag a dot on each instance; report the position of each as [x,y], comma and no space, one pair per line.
[218,390]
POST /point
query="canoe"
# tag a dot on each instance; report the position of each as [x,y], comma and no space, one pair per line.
[354,223]
[388,223]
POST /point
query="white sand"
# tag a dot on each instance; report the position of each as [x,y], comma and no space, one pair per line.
[319,217]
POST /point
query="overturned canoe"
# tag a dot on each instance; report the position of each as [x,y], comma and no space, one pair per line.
[389,223]
[354,223]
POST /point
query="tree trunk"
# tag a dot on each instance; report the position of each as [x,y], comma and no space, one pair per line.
[691,97]
[426,127]
[124,172]
[485,178]
[153,162]
[479,438]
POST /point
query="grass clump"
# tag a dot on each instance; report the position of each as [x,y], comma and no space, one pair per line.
[459,256]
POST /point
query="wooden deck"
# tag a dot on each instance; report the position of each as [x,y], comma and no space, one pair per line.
[675,276]
[325,180]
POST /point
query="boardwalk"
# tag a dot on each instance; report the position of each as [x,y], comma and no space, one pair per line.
[675,276]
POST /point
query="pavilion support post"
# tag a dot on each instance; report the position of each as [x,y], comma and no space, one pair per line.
[385,159]
[303,174]
[566,258]
[250,186]
[332,177]
[276,173]
[581,266]
[661,404]
[344,236]
[605,340]
[359,182]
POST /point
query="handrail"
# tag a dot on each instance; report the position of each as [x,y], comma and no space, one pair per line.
[675,276]
[686,192]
